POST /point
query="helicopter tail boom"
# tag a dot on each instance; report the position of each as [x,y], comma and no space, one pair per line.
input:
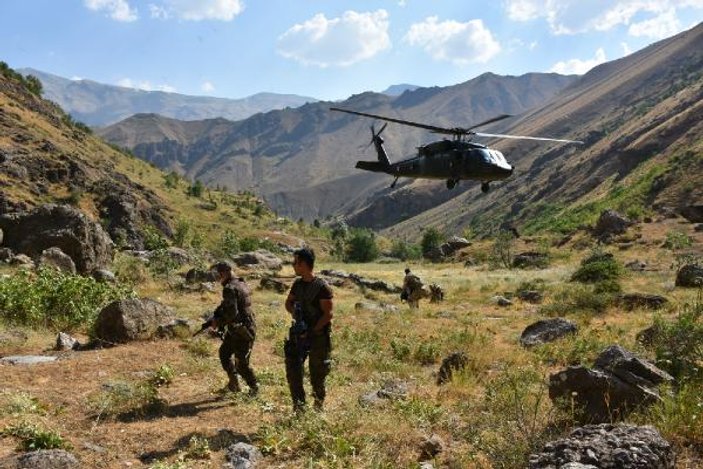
[375,166]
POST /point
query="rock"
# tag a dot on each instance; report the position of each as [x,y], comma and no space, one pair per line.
[431,447]
[693,213]
[647,336]
[83,240]
[177,329]
[530,259]
[547,330]
[607,446]
[426,465]
[66,342]
[243,455]
[197,276]
[41,459]
[390,390]
[27,359]
[501,300]
[375,307]
[435,254]
[690,275]
[530,296]
[12,337]
[6,254]
[131,319]
[642,300]
[618,384]
[260,258]
[457,361]
[636,266]
[55,257]
[268,283]
[698,228]
[23,261]
[1,236]
[104,276]
[371,284]
[609,224]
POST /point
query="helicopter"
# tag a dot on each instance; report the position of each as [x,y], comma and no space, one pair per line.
[452,160]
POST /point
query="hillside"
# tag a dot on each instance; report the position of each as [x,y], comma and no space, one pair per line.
[640,117]
[98,104]
[296,158]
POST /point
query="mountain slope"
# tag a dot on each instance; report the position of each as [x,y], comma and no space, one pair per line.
[97,104]
[295,157]
[640,117]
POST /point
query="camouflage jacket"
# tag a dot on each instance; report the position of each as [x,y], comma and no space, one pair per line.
[235,307]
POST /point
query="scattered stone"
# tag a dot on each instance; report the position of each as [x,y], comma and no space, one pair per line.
[501,301]
[636,266]
[260,258]
[431,447]
[371,284]
[243,455]
[177,329]
[27,359]
[457,361]
[93,447]
[207,286]
[56,258]
[426,465]
[530,259]
[609,224]
[104,276]
[642,300]
[607,446]
[698,228]
[647,336]
[530,296]
[268,283]
[690,275]
[198,275]
[390,390]
[547,330]
[6,254]
[693,213]
[131,319]
[375,307]
[22,261]
[41,459]
[66,342]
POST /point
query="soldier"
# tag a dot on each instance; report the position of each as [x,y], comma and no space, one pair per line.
[310,304]
[234,316]
[413,289]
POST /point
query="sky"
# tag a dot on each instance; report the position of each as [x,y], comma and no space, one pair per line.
[326,49]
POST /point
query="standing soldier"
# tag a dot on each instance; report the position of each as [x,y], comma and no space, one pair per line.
[413,289]
[310,304]
[235,318]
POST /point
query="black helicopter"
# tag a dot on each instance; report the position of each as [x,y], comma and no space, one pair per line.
[453,160]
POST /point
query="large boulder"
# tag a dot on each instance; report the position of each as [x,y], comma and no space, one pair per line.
[56,258]
[198,276]
[619,383]
[690,275]
[131,319]
[547,330]
[607,446]
[259,259]
[609,224]
[61,226]
[693,213]
[530,259]
[365,282]
[41,459]
[642,300]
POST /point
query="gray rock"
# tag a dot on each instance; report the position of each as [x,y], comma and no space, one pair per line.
[530,259]
[642,300]
[690,275]
[268,283]
[41,459]
[243,455]
[104,276]
[426,465]
[61,226]
[636,266]
[27,359]
[56,258]
[457,361]
[698,228]
[177,329]
[12,337]
[693,213]
[198,276]
[260,258]
[547,330]
[22,260]
[630,368]
[431,447]
[609,224]
[66,342]
[501,300]
[390,390]
[6,254]
[371,284]
[131,319]
[607,446]
[530,296]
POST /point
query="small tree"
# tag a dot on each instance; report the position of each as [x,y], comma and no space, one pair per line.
[361,246]
[502,253]
[431,239]
[196,189]
[403,250]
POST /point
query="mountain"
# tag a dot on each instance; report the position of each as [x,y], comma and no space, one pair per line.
[397,90]
[97,104]
[641,118]
[302,160]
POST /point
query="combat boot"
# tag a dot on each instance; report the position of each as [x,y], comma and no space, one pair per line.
[233,384]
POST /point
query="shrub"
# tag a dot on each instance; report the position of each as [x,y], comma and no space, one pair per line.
[33,438]
[229,244]
[171,180]
[403,250]
[597,267]
[55,299]
[182,233]
[502,251]
[679,343]
[361,246]
[154,239]
[431,239]
[196,189]
[126,398]
[130,270]
[163,376]
[676,240]
[161,264]
[427,353]
[578,298]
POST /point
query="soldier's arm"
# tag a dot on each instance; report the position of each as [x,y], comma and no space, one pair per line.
[289,303]
[326,307]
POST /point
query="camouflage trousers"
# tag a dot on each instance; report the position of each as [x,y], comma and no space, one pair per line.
[241,349]
[320,365]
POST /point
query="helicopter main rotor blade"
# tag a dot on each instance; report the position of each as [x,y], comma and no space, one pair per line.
[490,121]
[522,137]
[397,121]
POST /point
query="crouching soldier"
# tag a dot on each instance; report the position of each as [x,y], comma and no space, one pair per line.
[234,317]
[310,304]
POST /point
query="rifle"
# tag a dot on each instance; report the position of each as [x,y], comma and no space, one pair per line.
[298,343]
[205,326]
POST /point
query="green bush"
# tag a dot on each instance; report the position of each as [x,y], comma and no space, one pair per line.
[229,244]
[431,239]
[55,299]
[126,398]
[679,343]
[677,240]
[597,267]
[33,438]
[154,239]
[578,298]
[404,251]
[182,234]
[196,189]
[361,246]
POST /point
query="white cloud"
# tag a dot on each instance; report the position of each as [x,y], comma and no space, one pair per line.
[577,66]
[207,87]
[337,41]
[625,49]
[459,43]
[197,10]
[145,85]
[118,10]
[658,18]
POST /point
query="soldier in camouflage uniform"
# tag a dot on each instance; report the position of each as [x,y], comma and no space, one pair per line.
[314,298]
[235,318]
[413,289]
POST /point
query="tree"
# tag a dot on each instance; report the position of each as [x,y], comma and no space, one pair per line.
[361,246]
[196,189]
[431,239]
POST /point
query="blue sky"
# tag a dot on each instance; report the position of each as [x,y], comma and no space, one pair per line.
[328,49]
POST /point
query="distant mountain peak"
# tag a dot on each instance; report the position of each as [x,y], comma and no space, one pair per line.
[397,90]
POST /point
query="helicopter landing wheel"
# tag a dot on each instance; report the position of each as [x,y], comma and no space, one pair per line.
[451,183]
[485,187]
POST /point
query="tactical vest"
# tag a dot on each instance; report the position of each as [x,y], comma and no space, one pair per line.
[244,313]
[306,293]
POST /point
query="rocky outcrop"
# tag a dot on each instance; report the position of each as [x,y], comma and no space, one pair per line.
[56,258]
[131,319]
[607,446]
[61,226]
[609,224]
[618,384]
[642,300]
[393,389]
[447,249]
[693,213]
[690,275]
[41,459]
[530,296]
[269,283]
[259,259]
[66,342]
[547,330]
[371,284]
[530,260]
[197,276]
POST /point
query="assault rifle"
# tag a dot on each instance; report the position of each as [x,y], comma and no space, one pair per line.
[299,339]
[205,326]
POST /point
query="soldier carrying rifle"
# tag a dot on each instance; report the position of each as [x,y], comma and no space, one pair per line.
[310,304]
[234,318]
